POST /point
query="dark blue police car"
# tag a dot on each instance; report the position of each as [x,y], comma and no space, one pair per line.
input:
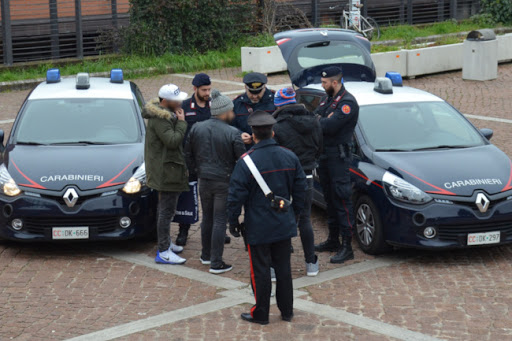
[423,176]
[73,166]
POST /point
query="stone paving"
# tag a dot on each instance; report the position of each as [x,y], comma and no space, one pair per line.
[105,291]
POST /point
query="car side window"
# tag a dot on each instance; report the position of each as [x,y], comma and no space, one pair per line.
[138,96]
[310,101]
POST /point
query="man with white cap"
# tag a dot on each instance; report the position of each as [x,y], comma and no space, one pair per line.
[166,170]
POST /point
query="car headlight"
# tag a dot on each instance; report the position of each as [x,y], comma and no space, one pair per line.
[137,180]
[8,184]
[401,190]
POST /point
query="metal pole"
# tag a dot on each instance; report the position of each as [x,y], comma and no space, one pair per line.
[79,33]
[402,12]
[114,13]
[365,8]
[409,12]
[314,12]
[6,32]
[440,10]
[453,8]
[54,28]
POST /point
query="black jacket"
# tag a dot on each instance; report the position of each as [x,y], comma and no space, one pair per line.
[339,128]
[299,130]
[194,113]
[212,149]
[243,107]
[283,173]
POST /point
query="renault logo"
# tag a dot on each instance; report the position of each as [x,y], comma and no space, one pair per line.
[70,197]
[482,202]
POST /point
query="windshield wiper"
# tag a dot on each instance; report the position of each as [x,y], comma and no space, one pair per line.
[444,146]
[80,142]
[30,143]
[392,150]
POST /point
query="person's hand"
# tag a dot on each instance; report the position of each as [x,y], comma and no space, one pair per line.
[247,138]
[330,115]
[180,113]
[234,229]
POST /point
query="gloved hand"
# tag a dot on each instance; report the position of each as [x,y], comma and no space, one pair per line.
[234,229]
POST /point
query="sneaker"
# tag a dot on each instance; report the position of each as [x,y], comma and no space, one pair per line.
[273,274]
[312,269]
[221,269]
[175,248]
[205,261]
[169,257]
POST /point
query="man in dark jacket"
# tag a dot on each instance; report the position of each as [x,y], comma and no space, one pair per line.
[165,163]
[212,149]
[256,97]
[269,218]
[338,113]
[197,109]
[299,130]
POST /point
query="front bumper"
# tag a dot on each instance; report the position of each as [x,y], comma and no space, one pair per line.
[100,213]
[404,224]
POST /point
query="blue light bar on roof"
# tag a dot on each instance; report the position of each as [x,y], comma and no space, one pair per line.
[116,76]
[53,76]
[396,78]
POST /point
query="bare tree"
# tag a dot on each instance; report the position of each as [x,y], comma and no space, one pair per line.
[281,16]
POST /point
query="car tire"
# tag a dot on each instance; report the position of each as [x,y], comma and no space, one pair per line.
[151,236]
[369,230]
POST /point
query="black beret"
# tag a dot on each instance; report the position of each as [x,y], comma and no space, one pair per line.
[201,79]
[255,80]
[332,71]
[261,118]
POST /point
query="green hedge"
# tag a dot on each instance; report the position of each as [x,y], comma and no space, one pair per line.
[177,26]
[499,11]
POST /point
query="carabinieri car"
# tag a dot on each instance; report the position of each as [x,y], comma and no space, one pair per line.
[73,166]
[423,176]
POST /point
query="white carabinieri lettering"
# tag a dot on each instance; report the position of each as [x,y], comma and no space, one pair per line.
[71,177]
[472,182]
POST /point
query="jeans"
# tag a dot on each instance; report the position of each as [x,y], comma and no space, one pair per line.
[307,236]
[167,202]
[214,195]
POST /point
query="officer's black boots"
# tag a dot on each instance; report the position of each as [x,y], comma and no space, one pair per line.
[346,252]
[181,240]
[330,245]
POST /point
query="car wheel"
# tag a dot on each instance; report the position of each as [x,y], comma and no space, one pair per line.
[151,236]
[369,229]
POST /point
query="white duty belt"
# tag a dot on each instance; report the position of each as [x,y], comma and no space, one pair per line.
[257,175]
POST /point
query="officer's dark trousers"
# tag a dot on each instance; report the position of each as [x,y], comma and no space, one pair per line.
[214,197]
[335,181]
[261,256]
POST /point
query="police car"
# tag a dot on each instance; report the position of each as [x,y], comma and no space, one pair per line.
[423,176]
[73,166]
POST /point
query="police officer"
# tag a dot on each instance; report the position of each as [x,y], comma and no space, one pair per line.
[270,221]
[197,109]
[338,113]
[256,97]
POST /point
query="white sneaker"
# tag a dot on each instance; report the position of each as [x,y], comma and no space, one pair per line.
[204,261]
[175,248]
[169,257]
[312,269]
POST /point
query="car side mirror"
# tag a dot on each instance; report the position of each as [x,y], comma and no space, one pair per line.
[488,133]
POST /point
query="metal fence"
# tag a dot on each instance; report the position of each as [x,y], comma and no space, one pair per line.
[391,12]
[51,29]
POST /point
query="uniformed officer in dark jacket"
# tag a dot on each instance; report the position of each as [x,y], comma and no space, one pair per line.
[299,130]
[269,223]
[256,97]
[338,113]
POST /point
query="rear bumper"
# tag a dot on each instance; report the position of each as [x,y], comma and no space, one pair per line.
[101,214]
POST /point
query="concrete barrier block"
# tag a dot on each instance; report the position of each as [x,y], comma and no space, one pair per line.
[263,59]
[434,59]
[505,47]
[390,61]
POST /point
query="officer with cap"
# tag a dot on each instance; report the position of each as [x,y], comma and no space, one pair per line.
[197,109]
[256,97]
[338,113]
[264,182]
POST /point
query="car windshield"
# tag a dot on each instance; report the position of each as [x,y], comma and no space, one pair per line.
[72,121]
[331,52]
[416,126]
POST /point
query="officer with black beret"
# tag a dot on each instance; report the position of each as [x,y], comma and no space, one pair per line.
[338,113]
[256,97]
[264,181]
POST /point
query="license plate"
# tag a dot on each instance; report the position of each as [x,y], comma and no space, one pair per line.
[70,232]
[484,238]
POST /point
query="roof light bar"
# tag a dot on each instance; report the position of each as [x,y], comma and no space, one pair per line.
[53,76]
[82,81]
[116,76]
[396,78]
[383,85]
